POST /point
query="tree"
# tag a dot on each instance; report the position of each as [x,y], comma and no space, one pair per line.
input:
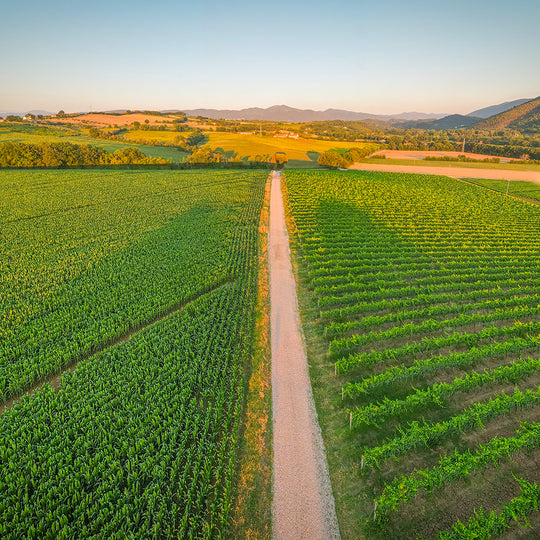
[60,114]
[203,155]
[281,159]
[331,159]
[195,138]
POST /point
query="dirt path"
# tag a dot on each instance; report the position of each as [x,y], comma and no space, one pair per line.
[303,506]
[453,172]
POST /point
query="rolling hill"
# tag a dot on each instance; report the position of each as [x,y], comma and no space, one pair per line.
[486,112]
[453,121]
[524,118]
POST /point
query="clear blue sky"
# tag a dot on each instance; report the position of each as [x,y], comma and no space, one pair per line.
[379,57]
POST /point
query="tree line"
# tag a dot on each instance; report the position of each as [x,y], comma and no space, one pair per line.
[65,154]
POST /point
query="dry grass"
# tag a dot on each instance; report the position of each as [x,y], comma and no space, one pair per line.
[96,119]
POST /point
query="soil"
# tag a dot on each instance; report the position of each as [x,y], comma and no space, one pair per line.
[303,506]
[454,172]
[420,154]
[97,119]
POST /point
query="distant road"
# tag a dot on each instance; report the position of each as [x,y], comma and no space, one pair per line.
[453,172]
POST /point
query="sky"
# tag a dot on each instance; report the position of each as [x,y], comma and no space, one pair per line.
[378,57]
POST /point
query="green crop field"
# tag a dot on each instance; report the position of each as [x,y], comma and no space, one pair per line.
[159,136]
[526,190]
[34,135]
[421,307]
[147,281]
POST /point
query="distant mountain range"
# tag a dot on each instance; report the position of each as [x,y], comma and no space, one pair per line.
[521,114]
[283,113]
[36,112]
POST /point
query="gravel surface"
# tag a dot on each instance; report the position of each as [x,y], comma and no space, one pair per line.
[303,506]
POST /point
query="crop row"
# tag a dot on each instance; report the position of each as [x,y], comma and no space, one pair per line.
[77,280]
[456,466]
[141,439]
[490,524]
[436,394]
[422,434]
[340,347]
[396,264]
[422,368]
[337,329]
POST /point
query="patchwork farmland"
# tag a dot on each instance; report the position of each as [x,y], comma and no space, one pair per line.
[127,342]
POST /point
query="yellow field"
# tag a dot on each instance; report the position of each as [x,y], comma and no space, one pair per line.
[307,150]
[101,120]
[250,146]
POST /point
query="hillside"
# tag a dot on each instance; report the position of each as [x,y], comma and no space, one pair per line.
[525,118]
[453,121]
[486,112]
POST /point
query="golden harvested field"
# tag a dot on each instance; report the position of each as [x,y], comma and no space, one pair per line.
[296,149]
[96,119]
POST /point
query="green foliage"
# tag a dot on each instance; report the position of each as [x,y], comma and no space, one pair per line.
[64,154]
[196,138]
[100,253]
[527,190]
[140,440]
[427,292]
[462,158]
[204,155]
[455,466]
[490,525]
[335,158]
[331,159]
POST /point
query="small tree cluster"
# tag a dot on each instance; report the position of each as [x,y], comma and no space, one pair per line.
[333,158]
[205,155]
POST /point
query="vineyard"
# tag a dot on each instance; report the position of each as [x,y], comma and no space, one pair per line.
[525,190]
[145,282]
[422,312]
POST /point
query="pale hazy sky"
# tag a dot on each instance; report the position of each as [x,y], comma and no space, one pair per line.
[379,57]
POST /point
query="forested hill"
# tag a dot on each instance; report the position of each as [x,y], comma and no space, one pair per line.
[524,118]
[453,121]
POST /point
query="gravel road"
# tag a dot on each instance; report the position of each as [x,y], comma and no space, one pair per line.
[303,506]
